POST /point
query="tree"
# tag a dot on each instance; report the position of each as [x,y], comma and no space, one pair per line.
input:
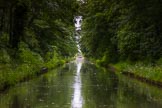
[128,30]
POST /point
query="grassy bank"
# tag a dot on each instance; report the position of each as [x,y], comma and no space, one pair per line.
[141,71]
[12,74]
[27,65]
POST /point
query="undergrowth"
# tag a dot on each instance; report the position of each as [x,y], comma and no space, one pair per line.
[26,65]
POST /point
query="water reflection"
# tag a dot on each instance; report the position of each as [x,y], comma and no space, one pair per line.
[104,89]
[51,90]
[77,97]
[82,85]
[99,87]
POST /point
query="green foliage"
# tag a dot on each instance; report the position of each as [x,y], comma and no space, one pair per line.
[128,43]
[105,60]
[4,39]
[27,56]
[41,24]
[31,40]
[53,60]
[159,62]
[127,30]
[34,35]
[4,56]
[141,69]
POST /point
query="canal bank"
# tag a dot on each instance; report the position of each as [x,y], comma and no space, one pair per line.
[13,74]
[146,73]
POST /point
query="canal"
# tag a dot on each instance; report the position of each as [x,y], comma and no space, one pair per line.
[82,85]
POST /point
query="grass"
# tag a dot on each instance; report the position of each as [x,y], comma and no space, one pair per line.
[147,71]
[26,66]
[142,69]
[11,75]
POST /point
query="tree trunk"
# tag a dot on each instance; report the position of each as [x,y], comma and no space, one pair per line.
[17,22]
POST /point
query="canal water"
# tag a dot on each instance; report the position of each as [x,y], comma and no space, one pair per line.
[82,85]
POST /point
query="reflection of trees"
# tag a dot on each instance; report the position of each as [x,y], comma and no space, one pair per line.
[102,88]
[99,87]
[15,103]
[50,89]
[134,94]
[56,89]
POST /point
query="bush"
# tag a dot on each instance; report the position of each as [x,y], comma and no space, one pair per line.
[53,59]
[159,62]
[4,56]
[29,57]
